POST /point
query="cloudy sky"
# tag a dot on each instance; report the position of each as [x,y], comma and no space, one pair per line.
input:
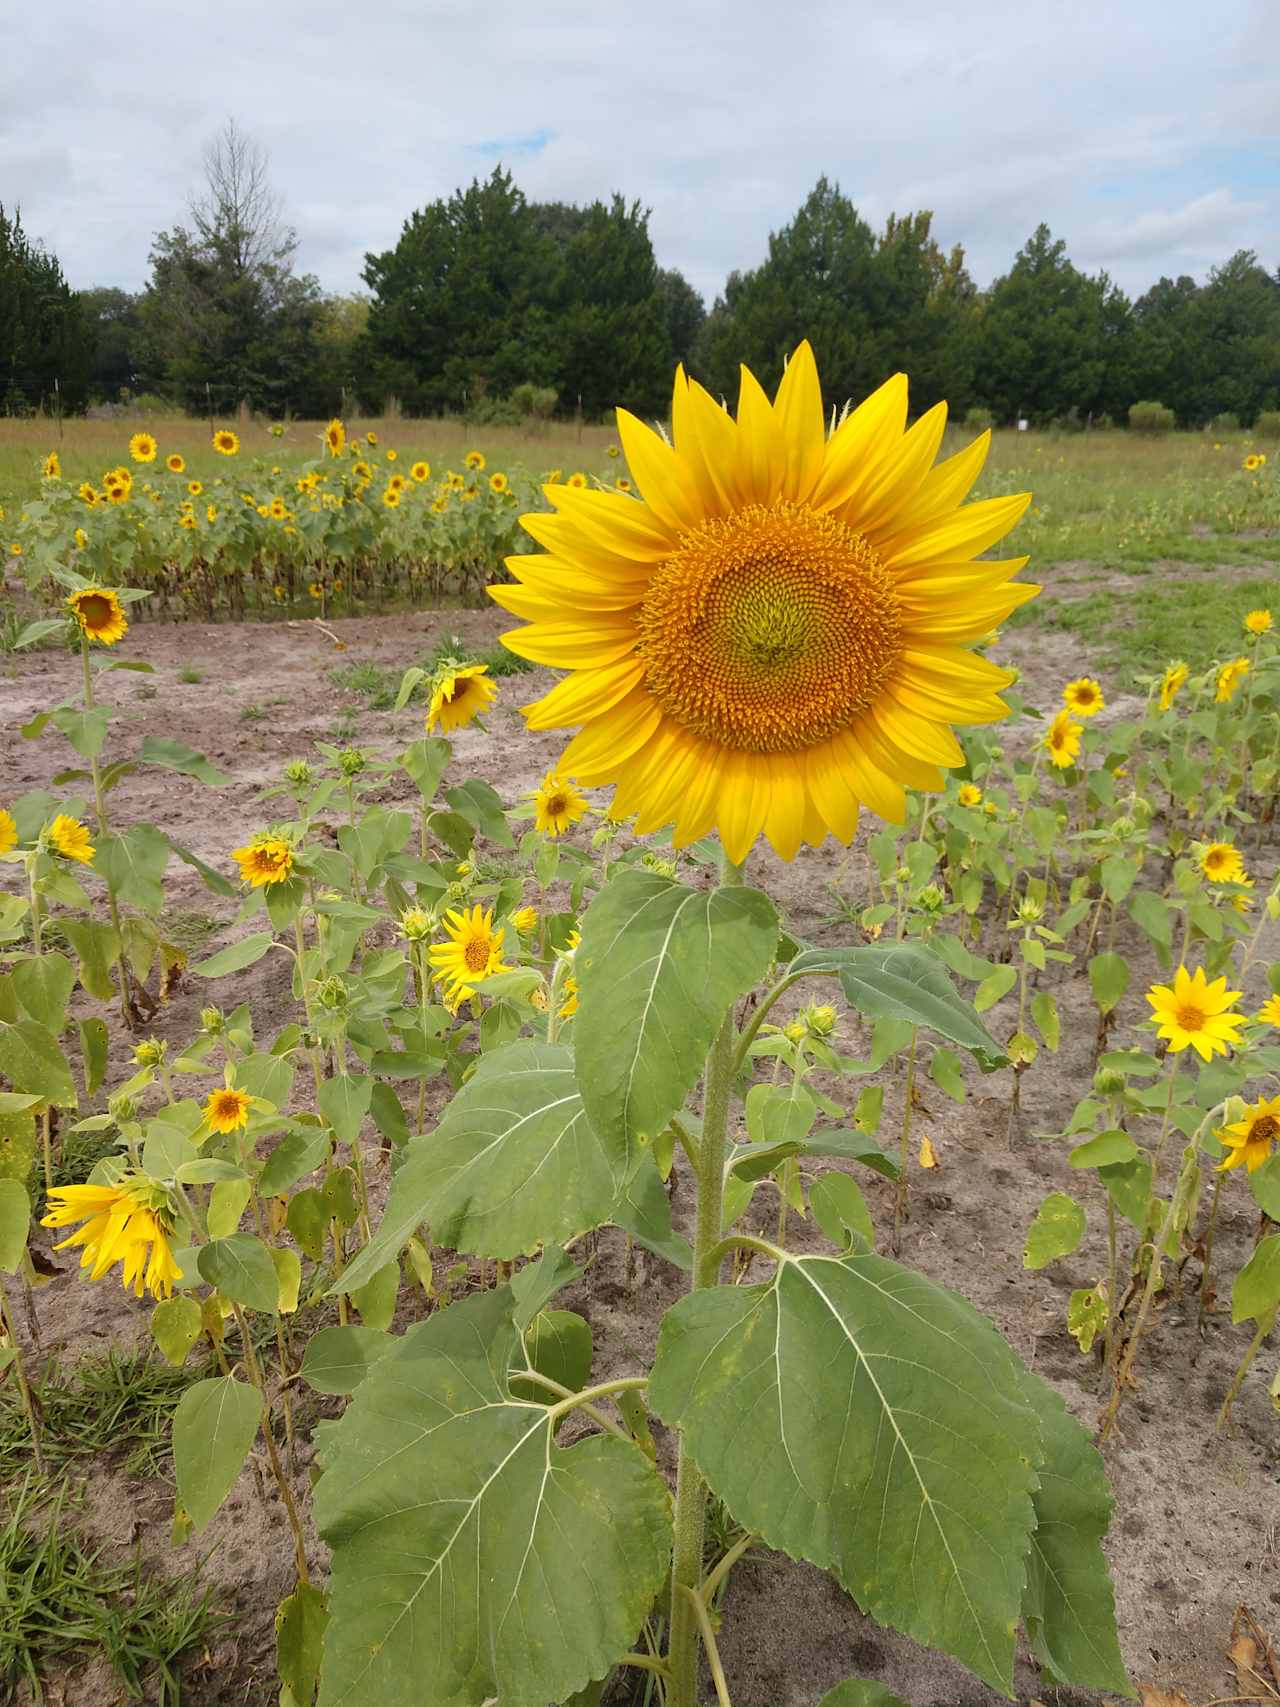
[1146,133]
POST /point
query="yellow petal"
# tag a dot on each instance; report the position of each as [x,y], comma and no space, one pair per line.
[584,695]
[572,645]
[944,489]
[797,409]
[866,435]
[963,534]
[917,734]
[665,483]
[761,455]
[613,520]
[596,751]
[896,480]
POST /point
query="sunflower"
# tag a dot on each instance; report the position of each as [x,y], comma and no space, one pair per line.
[266,859]
[1250,463]
[498,482]
[89,494]
[211,512]
[525,920]
[127,1223]
[335,437]
[71,838]
[1171,684]
[622,485]
[195,488]
[225,442]
[1221,863]
[421,471]
[391,497]
[1083,697]
[474,460]
[15,550]
[557,805]
[1267,1014]
[225,1110]
[81,538]
[474,950]
[1250,1138]
[371,438]
[397,482]
[118,477]
[1193,1013]
[99,613]
[569,991]
[970,794]
[52,466]
[187,522]
[9,835]
[781,629]
[455,482]
[459,694]
[175,463]
[1258,622]
[1229,678]
[278,510]
[578,479]
[1062,741]
[142,447]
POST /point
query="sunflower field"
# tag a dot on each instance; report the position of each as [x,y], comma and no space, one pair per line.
[711,1185]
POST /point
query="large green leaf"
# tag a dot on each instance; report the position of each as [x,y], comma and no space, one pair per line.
[15,1224]
[514,1164]
[214,1426]
[133,864]
[31,1060]
[861,1692]
[44,983]
[472,1556]
[235,958]
[904,980]
[1068,1605]
[852,1413]
[97,947]
[177,756]
[657,969]
[241,1268]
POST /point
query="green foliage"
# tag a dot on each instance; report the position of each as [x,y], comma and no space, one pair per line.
[43,333]
[115,1406]
[1151,418]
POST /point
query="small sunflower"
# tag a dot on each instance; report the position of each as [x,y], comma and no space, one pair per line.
[176,463]
[393,455]
[70,838]
[187,522]
[577,480]
[421,471]
[89,494]
[1229,678]
[498,482]
[15,550]
[335,437]
[397,482]
[391,497]
[459,695]
[1171,684]
[525,919]
[1083,697]
[211,512]
[81,538]
[52,466]
[225,442]
[99,613]
[1258,622]
[1192,1013]
[266,859]
[195,488]
[278,510]
[371,438]
[1267,1014]
[226,1109]
[1251,462]
[142,447]
[474,460]
[474,950]
[622,485]
[557,805]
[9,835]
[1062,741]
[569,993]
[1221,863]
[439,505]
[970,794]
[128,1223]
[1250,1139]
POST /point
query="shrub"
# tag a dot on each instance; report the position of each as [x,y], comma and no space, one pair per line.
[1227,422]
[1267,425]
[535,402]
[979,418]
[1150,418]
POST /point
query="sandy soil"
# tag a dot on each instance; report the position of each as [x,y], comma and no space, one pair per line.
[1194,1528]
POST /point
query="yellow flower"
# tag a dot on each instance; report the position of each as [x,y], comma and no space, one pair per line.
[372,437]
[1063,740]
[211,512]
[553,479]
[1229,678]
[970,794]
[278,510]
[392,455]
[613,451]
[225,1109]
[421,471]
[1193,1013]
[9,837]
[1250,463]
[195,488]
[622,485]
[335,437]
[397,482]
[1267,1014]
[89,495]
[81,538]
[1250,1139]
[459,695]
[52,467]
[569,992]
[315,589]
[15,550]
[1083,697]
[577,480]
[557,805]
[474,460]
[439,506]
[175,463]
[99,613]
[781,629]
[525,920]
[142,447]
[474,950]
[391,497]
[455,482]
[1221,863]
[266,859]
[1171,684]
[187,522]
[225,442]
[498,482]
[71,839]
[278,590]
[1258,622]
[126,1223]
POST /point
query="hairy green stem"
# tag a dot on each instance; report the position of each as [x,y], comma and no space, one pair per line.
[703,1621]
[1265,1324]
[277,1469]
[24,1390]
[126,1004]
[900,1194]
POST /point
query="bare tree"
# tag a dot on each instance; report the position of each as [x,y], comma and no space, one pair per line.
[238,215]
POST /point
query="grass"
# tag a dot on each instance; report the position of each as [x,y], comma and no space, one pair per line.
[190,673]
[188,929]
[60,1600]
[110,1405]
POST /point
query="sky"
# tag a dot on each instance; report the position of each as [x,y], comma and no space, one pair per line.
[1146,133]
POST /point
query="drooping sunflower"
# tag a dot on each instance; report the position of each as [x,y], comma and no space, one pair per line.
[1258,622]
[9,835]
[225,442]
[1171,684]
[421,471]
[781,629]
[52,466]
[266,859]
[175,462]
[70,838]
[1062,740]
[128,1223]
[142,447]
[557,804]
[1221,863]
[100,614]
[226,1109]
[1250,1138]
[335,437]
[458,695]
[1193,1013]
[371,438]
[88,494]
[1083,697]
[1229,678]
[474,950]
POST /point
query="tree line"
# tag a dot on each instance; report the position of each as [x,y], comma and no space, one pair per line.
[501,308]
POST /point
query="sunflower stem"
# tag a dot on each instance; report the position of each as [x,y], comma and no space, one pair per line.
[900,1194]
[24,1390]
[254,1369]
[127,1013]
[1208,1250]
[1265,1324]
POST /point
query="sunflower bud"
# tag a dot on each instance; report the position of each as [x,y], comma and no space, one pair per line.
[122,1109]
[150,1052]
[212,1020]
[797,1031]
[931,898]
[351,761]
[1108,1082]
[663,867]
[331,993]
[298,773]
[821,1019]
[416,925]
[1030,911]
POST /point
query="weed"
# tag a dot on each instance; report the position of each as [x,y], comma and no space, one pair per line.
[370,682]
[190,673]
[114,1404]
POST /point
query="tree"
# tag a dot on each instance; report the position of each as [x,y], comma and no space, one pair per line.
[43,340]
[685,313]
[113,325]
[614,339]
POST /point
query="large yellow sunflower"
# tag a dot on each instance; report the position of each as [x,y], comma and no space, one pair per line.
[474,950]
[335,437]
[266,859]
[99,613]
[142,447]
[781,630]
[225,442]
[127,1223]
[1192,1013]
[458,695]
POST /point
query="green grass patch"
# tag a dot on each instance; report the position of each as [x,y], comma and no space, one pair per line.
[370,682]
[112,1406]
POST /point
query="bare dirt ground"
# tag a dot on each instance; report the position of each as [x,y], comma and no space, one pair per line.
[1194,1528]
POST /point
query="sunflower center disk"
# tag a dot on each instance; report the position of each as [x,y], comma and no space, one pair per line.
[770,630]
[1190,1018]
[476,954]
[1261,1130]
[95,610]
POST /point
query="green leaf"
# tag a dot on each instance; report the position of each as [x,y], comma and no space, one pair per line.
[213,880]
[861,1692]
[32,1061]
[905,981]
[93,1050]
[288,1266]
[1056,1231]
[1068,1605]
[1264,1184]
[388,1114]
[338,1359]
[1257,1286]
[513,1164]
[1087,1315]
[295,1155]
[780,1114]
[227,1203]
[644,1211]
[1109,979]
[376,1299]
[175,1327]
[15,1224]
[483,810]
[1153,916]
[852,1413]
[344,1102]
[86,730]
[1044,1011]
[1129,1186]
[133,864]
[235,958]
[426,762]
[43,984]
[301,1621]
[538,1282]
[1100,1152]
[995,985]
[242,1270]
[558,1345]
[214,1426]
[946,1073]
[447,1504]
[175,756]
[307,1218]
[841,1211]
[97,947]
[658,968]
[266,1075]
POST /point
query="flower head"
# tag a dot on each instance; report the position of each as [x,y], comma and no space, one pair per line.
[128,1223]
[1251,462]
[769,636]
[1062,741]
[1229,678]
[970,794]
[416,924]
[1171,684]
[474,460]
[1258,622]
[474,950]
[225,442]
[498,482]
[70,838]
[335,437]
[175,462]
[1083,697]
[1269,1012]
[52,467]
[1249,1139]
[9,831]
[525,920]
[1192,1013]
[557,804]
[459,694]
[99,613]
[88,494]
[1221,863]
[266,859]
[420,471]
[142,447]
[226,1109]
